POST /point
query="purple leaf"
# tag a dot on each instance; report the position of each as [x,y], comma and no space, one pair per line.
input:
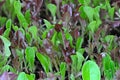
[8,76]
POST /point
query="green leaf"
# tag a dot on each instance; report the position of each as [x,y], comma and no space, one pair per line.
[8,23]
[54,38]
[89,11]
[33,30]
[22,20]
[85,2]
[109,38]
[92,26]
[69,38]
[28,16]
[80,59]
[90,71]
[31,76]
[77,62]
[30,57]
[72,77]
[7,68]
[79,43]
[52,8]
[108,67]
[45,61]
[2,21]
[17,6]
[7,44]
[15,28]
[22,76]
[111,12]
[63,70]
[48,24]
[6,33]
[82,13]
[28,37]
[44,34]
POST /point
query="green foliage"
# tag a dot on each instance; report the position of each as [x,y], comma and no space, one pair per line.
[28,16]
[30,57]
[63,70]
[8,23]
[20,16]
[2,20]
[7,44]
[45,61]
[79,43]
[85,2]
[89,11]
[52,8]
[108,67]
[92,26]
[77,62]
[24,76]
[48,24]
[71,40]
[33,30]
[90,71]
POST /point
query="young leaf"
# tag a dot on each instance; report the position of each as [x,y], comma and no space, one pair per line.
[77,62]
[82,13]
[28,16]
[90,71]
[2,20]
[45,61]
[63,70]
[89,11]
[109,38]
[33,30]
[85,2]
[92,26]
[22,76]
[108,67]
[79,43]
[17,6]
[22,20]
[72,77]
[31,76]
[111,12]
[48,24]
[69,38]
[54,38]
[7,44]
[30,57]
[6,33]
[52,9]
[8,23]
[80,59]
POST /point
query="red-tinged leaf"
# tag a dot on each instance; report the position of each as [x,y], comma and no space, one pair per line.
[48,46]
[19,40]
[115,24]
[16,63]
[117,75]
[66,8]
[58,27]
[75,33]
[8,76]
[50,33]
[1,3]
[2,29]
